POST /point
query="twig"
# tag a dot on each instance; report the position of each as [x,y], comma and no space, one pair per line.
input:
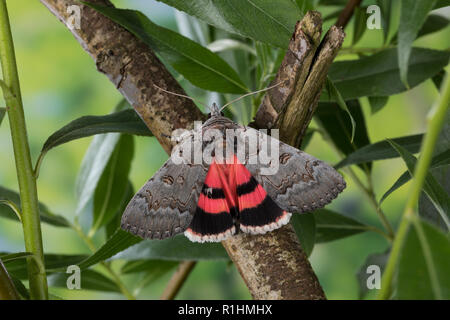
[347,13]
[177,280]
[27,183]
[435,123]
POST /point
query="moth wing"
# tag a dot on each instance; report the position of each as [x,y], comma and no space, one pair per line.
[300,183]
[165,205]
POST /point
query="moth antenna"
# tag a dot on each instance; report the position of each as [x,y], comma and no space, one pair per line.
[249,94]
[181,95]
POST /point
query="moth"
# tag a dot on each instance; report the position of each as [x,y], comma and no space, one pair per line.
[211,201]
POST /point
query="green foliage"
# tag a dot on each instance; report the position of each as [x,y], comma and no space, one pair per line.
[238,47]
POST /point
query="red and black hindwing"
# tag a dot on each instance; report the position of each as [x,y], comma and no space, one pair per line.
[231,196]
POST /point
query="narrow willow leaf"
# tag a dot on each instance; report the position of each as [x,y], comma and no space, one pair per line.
[440,169]
[176,249]
[46,215]
[157,267]
[2,114]
[437,195]
[434,23]
[125,121]
[386,8]
[90,280]
[335,122]
[412,16]
[197,64]
[53,262]
[222,45]
[441,160]
[378,74]
[331,226]
[112,186]
[377,103]
[305,228]
[359,24]
[424,264]
[335,95]
[374,259]
[6,257]
[93,165]
[118,242]
[112,225]
[23,291]
[271,22]
[382,150]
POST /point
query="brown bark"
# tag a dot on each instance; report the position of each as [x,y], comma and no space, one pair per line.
[272,265]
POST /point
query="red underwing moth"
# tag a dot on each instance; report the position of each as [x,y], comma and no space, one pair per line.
[234,186]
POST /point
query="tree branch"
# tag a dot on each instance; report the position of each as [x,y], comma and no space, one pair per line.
[347,13]
[262,259]
[272,265]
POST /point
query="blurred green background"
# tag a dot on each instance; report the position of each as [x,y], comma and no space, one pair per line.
[60,83]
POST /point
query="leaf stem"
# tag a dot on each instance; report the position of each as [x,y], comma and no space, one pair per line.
[75,226]
[435,122]
[27,183]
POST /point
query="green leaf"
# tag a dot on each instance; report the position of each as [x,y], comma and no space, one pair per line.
[381,150]
[125,121]
[156,267]
[197,64]
[335,95]
[90,280]
[46,215]
[112,225]
[377,259]
[94,163]
[331,226]
[270,22]
[386,9]
[427,210]
[53,262]
[176,249]
[112,186]
[434,23]
[305,228]
[6,257]
[378,74]
[2,114]
[377,103]
[359,24]
[222,45]
[335,122]
[412,16]
[424,264]
[440,160]
[437,195]
[20,287]
[441,4]
[118,242]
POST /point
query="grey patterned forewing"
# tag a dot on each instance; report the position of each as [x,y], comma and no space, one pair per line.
[302,183]
[166,203]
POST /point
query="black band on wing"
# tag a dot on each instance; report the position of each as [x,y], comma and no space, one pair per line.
[213,193]
[265,213]
[205,223]
[247,187]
